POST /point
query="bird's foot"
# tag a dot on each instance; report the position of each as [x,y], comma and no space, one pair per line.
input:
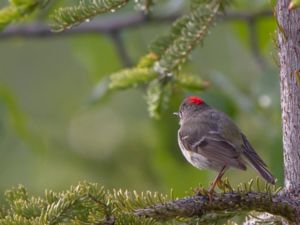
[210,196]
[205,193]
[200,191]
[224,185]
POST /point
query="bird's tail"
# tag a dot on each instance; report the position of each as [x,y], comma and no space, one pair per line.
[257,162]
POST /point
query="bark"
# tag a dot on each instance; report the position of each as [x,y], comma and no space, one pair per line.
[224,205]
[289,56]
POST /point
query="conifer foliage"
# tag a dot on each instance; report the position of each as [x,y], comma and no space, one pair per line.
[67,17]
[17,9]
[160,69]
[89,203]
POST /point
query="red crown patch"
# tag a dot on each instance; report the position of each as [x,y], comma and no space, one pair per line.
[195,100]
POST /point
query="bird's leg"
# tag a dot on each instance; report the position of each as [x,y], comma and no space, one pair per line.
[221,173]
[217,179]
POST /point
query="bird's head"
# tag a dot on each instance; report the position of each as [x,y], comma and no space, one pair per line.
[190,105]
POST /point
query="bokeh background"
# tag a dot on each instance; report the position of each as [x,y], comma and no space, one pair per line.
[52,137]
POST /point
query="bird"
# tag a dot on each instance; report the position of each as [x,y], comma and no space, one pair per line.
[209,139]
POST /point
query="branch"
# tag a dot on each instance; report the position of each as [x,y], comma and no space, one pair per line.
[67,17]
[89,203]
[108,25]
[230,203]
[97,26]
[103,25]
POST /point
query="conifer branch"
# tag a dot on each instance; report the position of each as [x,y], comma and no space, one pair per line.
[231,203]
[144,5]
[158,96]
[67,17]
[168,53]
[118,22]
[172,51]
[89,203]
[131,77]
[17,10]
[191,82]
[186,33]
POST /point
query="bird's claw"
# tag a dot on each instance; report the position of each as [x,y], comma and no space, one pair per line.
[206,193]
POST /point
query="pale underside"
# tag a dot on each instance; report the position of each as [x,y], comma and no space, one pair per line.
[197,160]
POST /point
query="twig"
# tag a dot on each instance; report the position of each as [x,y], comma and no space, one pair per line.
[120,48]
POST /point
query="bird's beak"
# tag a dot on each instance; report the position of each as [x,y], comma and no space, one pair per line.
[176,113]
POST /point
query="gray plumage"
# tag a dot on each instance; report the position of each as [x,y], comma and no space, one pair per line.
[210,139]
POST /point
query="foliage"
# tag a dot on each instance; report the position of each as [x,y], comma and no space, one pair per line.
[144,5]
[89,203]
[67,17]
[186,33]
[130,77]
[17,9]
[169,52]
[86,203]
[160,68]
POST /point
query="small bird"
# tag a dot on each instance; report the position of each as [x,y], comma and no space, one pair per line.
[209,139]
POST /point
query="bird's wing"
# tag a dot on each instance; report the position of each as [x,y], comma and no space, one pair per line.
[214,148]
[230,131]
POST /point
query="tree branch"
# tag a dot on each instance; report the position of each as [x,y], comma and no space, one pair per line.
[104,25]
[111,24]
[230,203]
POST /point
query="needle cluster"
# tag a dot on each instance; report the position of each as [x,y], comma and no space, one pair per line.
[89,203]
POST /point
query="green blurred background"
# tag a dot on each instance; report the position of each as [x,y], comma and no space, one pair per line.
[51,137]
